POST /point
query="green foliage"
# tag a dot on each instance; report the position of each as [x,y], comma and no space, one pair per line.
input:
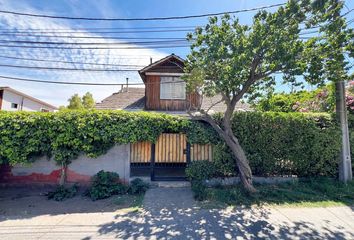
[105,185]
[319,100]
[289,143]
[233,59]
[201,170]
[275,143]
[78,103]
[199,190]
[305,193]
[66,134]
[138,186]
[224,160]
[87,101]
[75,102]
[61,193]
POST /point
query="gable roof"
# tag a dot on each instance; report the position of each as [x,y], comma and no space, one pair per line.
[29,97]
[169,64]
[126,99]
[134,99]
[216,106]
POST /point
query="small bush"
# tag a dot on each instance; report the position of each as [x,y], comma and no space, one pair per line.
[61,193]
[201,170]
[199,190]
[197,172]
[138,186]
[106,184]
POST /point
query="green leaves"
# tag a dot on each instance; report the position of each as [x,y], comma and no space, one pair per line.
[226,55]
[275,143]
[66,134]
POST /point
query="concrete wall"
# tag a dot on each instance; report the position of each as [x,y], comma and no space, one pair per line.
[28,104]
[45,170]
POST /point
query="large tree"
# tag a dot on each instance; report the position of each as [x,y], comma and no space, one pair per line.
[75,102]
[236,60]
[88,101]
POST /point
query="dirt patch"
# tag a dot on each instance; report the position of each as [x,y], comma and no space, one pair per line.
[27,202]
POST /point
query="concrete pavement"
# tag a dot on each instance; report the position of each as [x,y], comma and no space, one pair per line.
[171,213]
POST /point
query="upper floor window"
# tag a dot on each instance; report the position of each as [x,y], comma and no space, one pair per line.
[172,88]
[14,105]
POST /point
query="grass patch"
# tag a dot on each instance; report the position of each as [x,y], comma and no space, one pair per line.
[304,193]
[133,202]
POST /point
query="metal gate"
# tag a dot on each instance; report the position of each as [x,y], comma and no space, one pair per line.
[166,159]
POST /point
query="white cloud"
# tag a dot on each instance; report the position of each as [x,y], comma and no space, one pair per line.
[58,94]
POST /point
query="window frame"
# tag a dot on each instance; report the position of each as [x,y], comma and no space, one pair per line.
[14,104]
[172,85]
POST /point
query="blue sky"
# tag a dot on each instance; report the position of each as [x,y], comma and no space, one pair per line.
[58,94]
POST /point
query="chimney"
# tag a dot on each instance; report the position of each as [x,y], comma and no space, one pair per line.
[127,79]
[150,60]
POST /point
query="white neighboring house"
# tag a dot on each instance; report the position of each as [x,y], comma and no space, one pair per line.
[13,100]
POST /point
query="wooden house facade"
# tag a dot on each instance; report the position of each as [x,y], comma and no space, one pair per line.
[164,88]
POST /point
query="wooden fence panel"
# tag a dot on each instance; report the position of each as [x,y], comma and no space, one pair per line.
[170,148]
[201,152]
[140,152]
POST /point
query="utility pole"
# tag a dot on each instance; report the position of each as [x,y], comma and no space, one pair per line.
[345,165]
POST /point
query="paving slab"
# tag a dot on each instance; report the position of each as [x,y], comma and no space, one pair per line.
[171,213]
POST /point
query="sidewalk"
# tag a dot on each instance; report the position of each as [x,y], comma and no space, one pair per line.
[171,213]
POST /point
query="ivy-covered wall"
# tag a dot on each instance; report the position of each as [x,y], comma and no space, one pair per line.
[275,143]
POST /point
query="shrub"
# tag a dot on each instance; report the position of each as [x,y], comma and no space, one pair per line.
[138,186]
[61,193]
[201,170]
[275,143]
[199,190]
[289,143]
[106,184]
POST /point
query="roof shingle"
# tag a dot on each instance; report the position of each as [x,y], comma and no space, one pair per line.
[134,99]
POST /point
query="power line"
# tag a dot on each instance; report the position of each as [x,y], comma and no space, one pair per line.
[125,32]
[67,83]
[141,19]
[81,83]
[110,55]
[94,28]
[92,43]
[36,35]
[68,69]
[97,48]
[102,37]
[70,62]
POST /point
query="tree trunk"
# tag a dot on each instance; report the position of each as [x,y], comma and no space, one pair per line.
[242,163]
[230,139]
[62,179]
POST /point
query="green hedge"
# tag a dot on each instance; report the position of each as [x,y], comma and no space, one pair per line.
[289,144]
[25,135]
[275,143]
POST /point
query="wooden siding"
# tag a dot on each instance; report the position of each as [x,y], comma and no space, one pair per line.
[152,92]
[153,101]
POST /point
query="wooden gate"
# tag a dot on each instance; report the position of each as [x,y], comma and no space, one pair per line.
[167,158]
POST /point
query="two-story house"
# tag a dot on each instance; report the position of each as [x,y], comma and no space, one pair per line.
[164,91]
